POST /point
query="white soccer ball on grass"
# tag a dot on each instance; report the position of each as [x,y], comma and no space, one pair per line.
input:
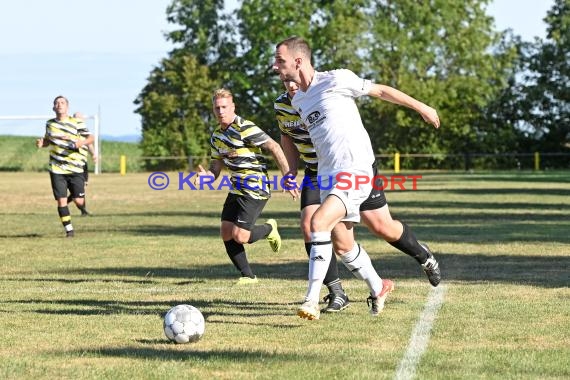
[184,324]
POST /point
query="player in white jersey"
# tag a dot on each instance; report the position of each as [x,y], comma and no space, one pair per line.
[333,121]
[374,212]
[325,101]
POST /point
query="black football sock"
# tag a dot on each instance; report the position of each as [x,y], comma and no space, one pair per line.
[259,232]
[410,246]
[332,281]
[236,253]
[308,248]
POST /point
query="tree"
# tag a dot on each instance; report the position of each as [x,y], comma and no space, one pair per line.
[175,107]
[546,92]
[444,53]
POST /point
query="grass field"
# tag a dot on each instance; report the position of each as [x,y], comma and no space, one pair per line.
[91,307]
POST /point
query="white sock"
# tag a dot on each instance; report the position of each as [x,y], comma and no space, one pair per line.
[319,261]
[358,262]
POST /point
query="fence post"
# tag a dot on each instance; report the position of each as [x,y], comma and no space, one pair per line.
[536,161]
[467,159]
[396,162]
[123,165]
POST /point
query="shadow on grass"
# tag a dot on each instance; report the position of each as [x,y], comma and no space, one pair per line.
[191,355]
[474,230]
[441,227]
[454,221]
[24,236]
[530,208]
[544,271]
[530,177]
[536,192]
[248,312]
[487,227]
[78,280]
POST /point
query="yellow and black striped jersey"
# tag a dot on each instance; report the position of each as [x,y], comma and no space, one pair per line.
[290,124]
[64,158]
[239,147]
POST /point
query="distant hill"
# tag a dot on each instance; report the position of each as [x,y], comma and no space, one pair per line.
[123,138]
[19,153]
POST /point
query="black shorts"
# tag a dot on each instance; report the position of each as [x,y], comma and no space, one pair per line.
[310,192]
[60,183]
[376,199]
[311,195]
[242,211]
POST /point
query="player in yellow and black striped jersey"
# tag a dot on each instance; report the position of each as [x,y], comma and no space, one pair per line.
[239,147]
[291,125]
[68,139]
[237,144]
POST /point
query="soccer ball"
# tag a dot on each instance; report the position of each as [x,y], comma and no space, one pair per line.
[184,324]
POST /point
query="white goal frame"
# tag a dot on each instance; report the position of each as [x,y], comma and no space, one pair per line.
[96,128]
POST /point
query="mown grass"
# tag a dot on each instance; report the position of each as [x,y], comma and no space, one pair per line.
[91,307]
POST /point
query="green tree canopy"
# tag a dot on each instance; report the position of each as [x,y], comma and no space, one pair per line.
[444,53]
[546,91]
[175,107]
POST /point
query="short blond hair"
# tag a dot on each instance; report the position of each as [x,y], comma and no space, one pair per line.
[222,93]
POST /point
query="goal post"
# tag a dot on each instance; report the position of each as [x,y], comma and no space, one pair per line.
[96,131]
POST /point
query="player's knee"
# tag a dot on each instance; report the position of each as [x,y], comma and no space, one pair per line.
[380,230]
[341,249]
[306,227]
[319,225]
[383,226]
[240,235]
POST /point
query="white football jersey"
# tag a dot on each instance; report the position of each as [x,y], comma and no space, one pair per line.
[329,111]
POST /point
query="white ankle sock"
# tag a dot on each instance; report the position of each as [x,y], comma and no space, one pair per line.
[358,262]
[319,260]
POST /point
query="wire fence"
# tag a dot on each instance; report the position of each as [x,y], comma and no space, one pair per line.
[388,162]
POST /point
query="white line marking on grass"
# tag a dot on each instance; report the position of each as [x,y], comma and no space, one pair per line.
[420,336]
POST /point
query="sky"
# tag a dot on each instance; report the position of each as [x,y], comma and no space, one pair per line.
[99,54]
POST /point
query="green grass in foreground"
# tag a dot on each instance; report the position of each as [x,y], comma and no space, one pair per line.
[92,307]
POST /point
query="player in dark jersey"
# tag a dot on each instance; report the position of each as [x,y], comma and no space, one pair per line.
[66,136]
[237,143]
[296,143]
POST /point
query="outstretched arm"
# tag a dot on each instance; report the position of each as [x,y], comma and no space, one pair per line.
[277,153]
[393,95]
[291,153]
[275,149]
[214,170]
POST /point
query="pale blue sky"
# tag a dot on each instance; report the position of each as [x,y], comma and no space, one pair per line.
[99,54]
